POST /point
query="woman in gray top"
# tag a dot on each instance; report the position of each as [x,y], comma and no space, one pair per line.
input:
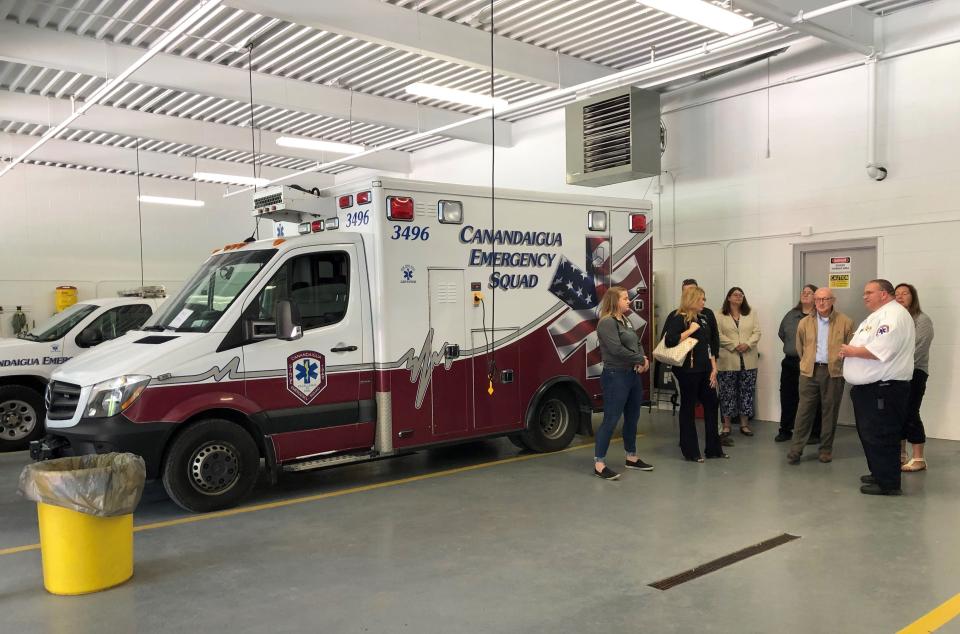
[906,296]
[623,362]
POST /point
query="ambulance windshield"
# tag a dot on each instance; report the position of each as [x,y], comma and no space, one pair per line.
[210,292]
[60,324]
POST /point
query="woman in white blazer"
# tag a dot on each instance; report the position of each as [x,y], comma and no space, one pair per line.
[737,362]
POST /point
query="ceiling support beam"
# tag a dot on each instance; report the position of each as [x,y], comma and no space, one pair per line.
[859,42]
[415,32]
[134,123]
[64,51]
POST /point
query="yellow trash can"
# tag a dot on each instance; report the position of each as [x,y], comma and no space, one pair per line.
[85,509]
[66,296]
[83,553]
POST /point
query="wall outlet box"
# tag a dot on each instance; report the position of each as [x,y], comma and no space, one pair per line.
[806,230]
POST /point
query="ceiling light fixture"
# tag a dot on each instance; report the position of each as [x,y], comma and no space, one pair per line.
[453,95]
[231,179]
[164,200]
[319,145]
[703,13]
[194,15]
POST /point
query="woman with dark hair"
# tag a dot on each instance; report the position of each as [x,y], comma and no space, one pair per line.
[790,367]
[737,362]
[696,376]
[623,363]
[906,296]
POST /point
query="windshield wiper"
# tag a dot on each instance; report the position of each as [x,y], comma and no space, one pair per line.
[28,336]
[156,328]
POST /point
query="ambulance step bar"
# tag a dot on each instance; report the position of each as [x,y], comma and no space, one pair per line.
[319,463]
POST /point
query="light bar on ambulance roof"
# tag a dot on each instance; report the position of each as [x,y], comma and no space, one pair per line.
[310,227]
[364,198]
[345,202]
[399,208]
[450,212]
[331,223]
[638,223]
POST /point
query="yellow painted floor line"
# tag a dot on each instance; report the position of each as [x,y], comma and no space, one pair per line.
[323,496]
[934,620]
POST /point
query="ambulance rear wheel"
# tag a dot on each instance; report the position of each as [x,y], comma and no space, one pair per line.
[21,416]
[212,465]
[555,422]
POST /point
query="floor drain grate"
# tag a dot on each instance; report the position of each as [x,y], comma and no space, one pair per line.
[722,562]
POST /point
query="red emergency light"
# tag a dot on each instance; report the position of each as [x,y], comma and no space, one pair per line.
[399,208]
[345,202]
[316,225]
[638,223]
[363,198]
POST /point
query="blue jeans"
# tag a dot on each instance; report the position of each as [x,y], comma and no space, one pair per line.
[622,394]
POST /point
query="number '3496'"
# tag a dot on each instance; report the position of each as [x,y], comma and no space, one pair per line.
[358,218]
[410,233]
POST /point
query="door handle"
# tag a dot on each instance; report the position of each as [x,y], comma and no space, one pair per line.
[343,349]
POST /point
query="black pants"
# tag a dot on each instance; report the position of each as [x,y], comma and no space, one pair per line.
[881,410]
[790,397]
[694,388]
[913,430]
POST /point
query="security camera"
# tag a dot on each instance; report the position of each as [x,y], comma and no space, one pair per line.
[876,172]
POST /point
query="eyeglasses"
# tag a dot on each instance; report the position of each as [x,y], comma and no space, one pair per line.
[823,299]
[736,294]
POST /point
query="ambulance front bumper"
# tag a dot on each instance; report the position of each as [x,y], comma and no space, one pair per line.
[105,435]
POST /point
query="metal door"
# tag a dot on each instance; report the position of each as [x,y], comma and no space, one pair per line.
[451,388]
[845,267]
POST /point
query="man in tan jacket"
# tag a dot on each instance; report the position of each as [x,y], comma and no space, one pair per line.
[819,337]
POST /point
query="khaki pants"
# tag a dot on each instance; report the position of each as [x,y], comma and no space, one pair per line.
[823,392]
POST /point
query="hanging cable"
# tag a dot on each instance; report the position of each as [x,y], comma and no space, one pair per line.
[140,212]
[491,353]
[253,137]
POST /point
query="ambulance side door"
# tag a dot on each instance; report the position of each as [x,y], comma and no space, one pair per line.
[309,388]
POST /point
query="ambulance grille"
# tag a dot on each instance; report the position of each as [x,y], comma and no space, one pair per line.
[606,134]
[62,400]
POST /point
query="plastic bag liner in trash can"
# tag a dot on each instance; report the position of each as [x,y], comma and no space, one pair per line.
[104,485]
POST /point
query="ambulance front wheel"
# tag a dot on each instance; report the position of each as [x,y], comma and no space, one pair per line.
[212,465]
[554,423]
[21,416]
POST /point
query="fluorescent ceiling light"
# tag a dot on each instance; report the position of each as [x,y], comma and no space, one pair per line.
[231,179]
[319,146]
[456,96]
[163,200]
[703,13]
[194,15]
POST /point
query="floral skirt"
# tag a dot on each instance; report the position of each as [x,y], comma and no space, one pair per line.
[737,390]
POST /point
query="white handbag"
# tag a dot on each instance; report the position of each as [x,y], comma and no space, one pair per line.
[675,355]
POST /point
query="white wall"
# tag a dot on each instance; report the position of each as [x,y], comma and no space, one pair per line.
[728,190]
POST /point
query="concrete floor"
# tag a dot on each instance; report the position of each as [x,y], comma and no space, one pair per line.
[532,545]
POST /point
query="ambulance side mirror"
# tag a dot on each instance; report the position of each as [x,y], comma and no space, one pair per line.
[287,317]
[88,337]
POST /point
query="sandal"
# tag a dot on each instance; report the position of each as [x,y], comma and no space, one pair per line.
[915,464]
[903,458]
[746,431]
[724,433]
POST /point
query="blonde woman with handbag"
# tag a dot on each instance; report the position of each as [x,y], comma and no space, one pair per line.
[623,363]
[696,376]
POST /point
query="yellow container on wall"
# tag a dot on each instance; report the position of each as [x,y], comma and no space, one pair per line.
[66,296]
[84,553]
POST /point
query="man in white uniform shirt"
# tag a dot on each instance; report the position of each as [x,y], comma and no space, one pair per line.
[878,363]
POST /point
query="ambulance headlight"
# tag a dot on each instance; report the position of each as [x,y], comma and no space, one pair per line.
[109,398]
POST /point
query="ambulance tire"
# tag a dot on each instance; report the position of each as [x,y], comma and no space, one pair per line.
[517,440]
[555,422]
[21,416]
[212,465]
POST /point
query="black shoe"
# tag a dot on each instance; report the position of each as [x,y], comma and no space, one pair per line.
[726,441]
[868,479]
[783,436]
[813,440]
[606,474]
[876,489]
[639,465]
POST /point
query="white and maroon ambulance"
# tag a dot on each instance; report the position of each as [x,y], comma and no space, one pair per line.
[404,319]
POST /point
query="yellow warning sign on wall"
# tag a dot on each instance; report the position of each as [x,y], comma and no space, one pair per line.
[840,280]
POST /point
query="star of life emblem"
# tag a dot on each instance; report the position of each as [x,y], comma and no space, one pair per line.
[306,374]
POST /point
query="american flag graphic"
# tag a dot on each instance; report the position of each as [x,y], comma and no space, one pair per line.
[581,292]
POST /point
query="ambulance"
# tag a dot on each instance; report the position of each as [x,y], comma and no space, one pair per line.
[27,361]
[404,315]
